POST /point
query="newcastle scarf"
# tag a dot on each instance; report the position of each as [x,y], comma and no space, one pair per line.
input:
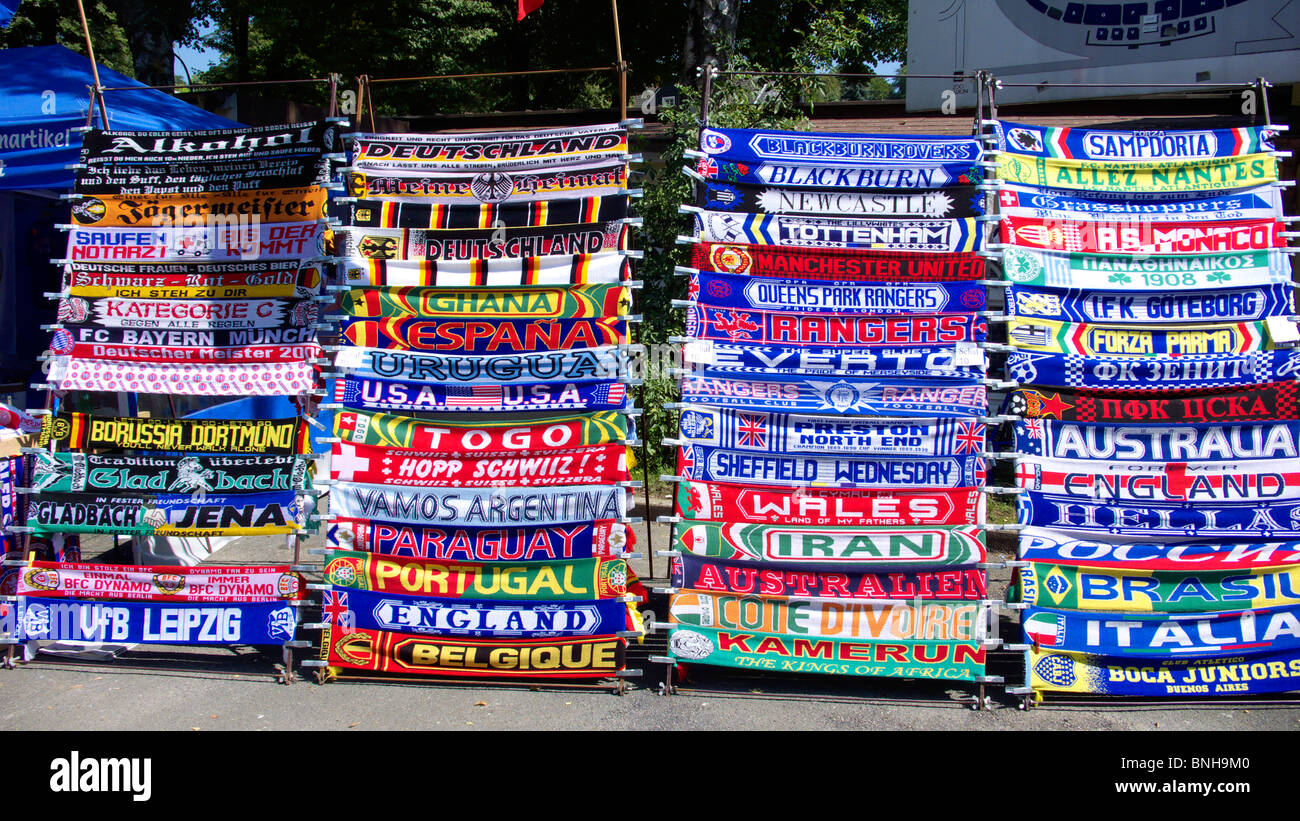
[690,572]
[709,464]
[802,295]
[605,179]
[489,150]
[535,213]
[1153,373]
[1188,590]
[270,379]
[1024,202]
[198,315]
[571,269]
[581,365]
[482,438]
[936,203]
[1192,482]
[168,515]
[753,146]
[594,464]
[1085,305]
[462,245]
[1160,521]
[836,175]
[1252,403]
[214,243]
[385,394]
[963,360]
[1157,443]
[1256,673]
[1087,339]
[1097,144]
[1136,273]
[1133,635]
[159,210]
[836,264]
[708,501]
[481,336]
[895,547]
[205,583]
[587,540]
[849,397]
[1210,237]
[1039,545]
[577,302]
[95,473]
[458,506]
[862,331]
[1212,174]
[840,232]
[124,622]
[80,431]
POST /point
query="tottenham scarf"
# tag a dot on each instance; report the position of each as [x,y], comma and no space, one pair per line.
[581,365]
[1157,443]
[588,657]
[482,438]
[125,622]
[1211,237]
[176,315]
[1051,336]
[1194,482]
[1253,403]
[1188,590]
[690,572]
[489,150]
[1213,174]
[287,342]
[80,431]
[168,583]
[834,175]
[573,269]
[964,360]
[768,327]
[1163,520]
[1096,144]
[709,464]
[889,548]
[183,515]
[493,187]
[936,203]
[1085,305]
[270,379]
[270,279]
[1023,202]
[836,264]
[1177,678]
[1134,273]
[533,213]
[240,355]
[462,245]
[577,302]
[586,540]
[1039,545]
[827,506]
[801,295]
[1146,636]
[388,395]
[95,473]
[1152,373]
[467,507]
[840,232]
[753,146]
[215,243]
[594,464]
[157,210]
[481,336]
[856,397]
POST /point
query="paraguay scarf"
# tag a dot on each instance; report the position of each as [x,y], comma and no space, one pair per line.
[205,583]
[1252,403]
[840,232]
[1193,482]
[534,213]
[692,572]
[124,622]
[489,150]
[963,360]
[1086,305]
[81,431]
[1161,521]
[482,438]
[388,395]
[468,507]
[581,365]
[1157,443]
[860,331]
[585,540]
[95,473]
[709,501]
[269,379]
[1097,144]
[594,464]
[481,336]
[709,464]
[890,548]
[572,269]
[753,146]
[1153,373]
[1087,339]
[1260,203]
[1134,273]
[577,302]
[492,187]
[1040,545]
[462,245]
[204,243]
[800,295]
[157,210]
[1212,174]
[836,264]
[274,280]
[1210,237]
[168,515]
[936,203]
[1274,672]
[1134,635]
[1188,590]
[198,315]
[849,397]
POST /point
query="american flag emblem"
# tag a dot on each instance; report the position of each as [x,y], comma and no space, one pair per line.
[752,430]
[615,394]
[474,396]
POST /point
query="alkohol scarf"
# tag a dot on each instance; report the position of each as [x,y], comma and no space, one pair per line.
[1211,237]
[836,264]
[840,232]
[482,438]
[1211,174]
[489,150]
[584,540]
[1157,443]
[1153,373]
[1117,305]
[957,202]
[850,507]
[802,295]
[385,394]
[1137,273]
[577,302]
[459,506]
[603,179]
[710,464]
[81,431]
[691,572]
[851,397]
[593,464]
[894,547]
[1251,403]
[961,360]
[1100,144]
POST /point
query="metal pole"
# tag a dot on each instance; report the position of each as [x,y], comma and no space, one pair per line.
[360,99]
[1263,96]
[334,95]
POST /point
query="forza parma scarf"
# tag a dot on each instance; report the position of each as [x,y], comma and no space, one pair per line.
[753,146]
[1211,237]
[843,396]
[493,187]
[1193,482]
[891,548]
[385,394]
[458,506]
[207,473]
[1135,273]
[691,572]
[1251,403]
[81,431]
[859,331]
[1210,174]
[1025,202]
[1115,589]
[577,302]
[586,540]
[581,365]
[937,203]
[163,515]
[709,464]
[1161,521]
[166,583]
[1098,144]
[263,205]
[1051,336]
[398,214]
[800,295]
[482,438]
[1157,443]
[128,622]
[710,501]
[1138,635]
[840,232]
[269,379]
[489,150]
[1040,545]
[594,464]
[1086,305]
[962,360]
[1147,373]
[571,269]
[835,264]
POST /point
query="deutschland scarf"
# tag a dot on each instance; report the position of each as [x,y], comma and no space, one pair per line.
[1194,482]
[709,464]
[821,547]
[1096,144]
[1040,545]
[754,145]
[962,360]
[571,269]
[501,336]
[1086,305]
[1163,522]
[493,187]
[840,232]
[853,398]
[1136,273]
[385,394]
[577,302]
[1050,336]
[594,464]
[489,150]
[935,203]
[1215,174]
[581,365]
[168,583]
[462,245]
[1051,671]
[1190,590]
[1210,237]
[262,205]
[483,544]
[690,572]
[534,213]
[274,280]
[216,243]
[168,515]
[1252,403]
[482,438]
[869,331]
[249,623]
[80,431]
[81,472]
[850,507]
[1157,443]
[836,264]
[799,295]
[457,506]
[166,314]
[1148,373]
[271,379]
[1263,202]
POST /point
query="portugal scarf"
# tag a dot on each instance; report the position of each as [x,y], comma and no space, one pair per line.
[594,464]
[573,269]
[458,506]
[709,501]
[493,187]
[1098,144]
[390,395]
[804,295]
[577,302]
[205,583]
[481,438]
[1212,174]
[849,397]
[836,264]
[860,331]
[586,540]
[691,572]
[1251,403]
[710,464]
[895,547]
[840,232]
[80,431]
[1137,273]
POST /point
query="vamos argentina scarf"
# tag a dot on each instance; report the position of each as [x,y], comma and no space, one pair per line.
[1157,443]
[166,583]
[382,651]
[468,507]
[581,365]
[1039,545]
[1157,273]
[1085,305]
[1163,636]
[501,336]
[709,501]
[1252,403]
[605,179]
[962,360]
[262,205]
[482,438]
[850,397]
[936,203]
[535,213]
[93,473]
[895,547]
[1161,521]
[1195,482]
[167,314]
[384,394]
[203,243]
[489,150]
[1050,336]
[1211,237]
[835,264]
[1147,373]
[587,540]
[274,280]
[1158,591]
[869,331]
[1213,174]
[1271,672]
[460,245]
[1097,144]
[127,622]
[571,269]
[1024,202]
[594,464]
[840,232]
[81,431]
[163,515]
[799,295]
[690,572]
[577,302]
[709,464]
[269,379]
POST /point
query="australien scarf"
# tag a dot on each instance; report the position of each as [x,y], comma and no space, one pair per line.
[492,187]
[389,395]
[1160,522]
[269,379]
[1272,672]
[706,463]
[1157,443]
[962,360]
[859,331]
[1053,547]
[1051,336]
[823,547]
[577,302]
[851,507]
[850,397]
[128,622]
[216,243]
[1212,174]
[691,572]
[158,210]
[168,514]
[580,365]
[1137,273]
[585,540]
[372,464]
[935,203]
[81,431]
[483,336]
[840,232]
[836,264]
[535,213]
[1120,306]
[803,295]
[1252,403]
[1210,237]
[572,269]
[489,150]
[482,438]
[163,583]
[1153,373]
[1098,144]
[207,473]
[1261,203]
[1195,482]
[457,506]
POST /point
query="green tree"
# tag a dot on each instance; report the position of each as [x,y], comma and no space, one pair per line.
[56,22]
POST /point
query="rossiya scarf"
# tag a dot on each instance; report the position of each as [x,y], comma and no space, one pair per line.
[800,295]
[579,365]
[1161,522]
[187,315]
[576,302]
[269,379]
[492,187]
[1158,443]
[850,507]
[1211,174]
[531,213]
[892,547]
[1251,403]
[1210,237]
[471,507]
[1187,590]
[585,540]
[81,431]
[691,572]
[157,210]
[372,464]
[203,243]
[756,145]
[840,232]
[570,269]
[836,264]
[709,464]
[128,622]
[1053,547]
[1137,273]
[1120,306]
[464,244]
[489,150]
[843,396]
[1153,373]
[390,395]
[1099,144]
[1260,203]
[955,202]
[1142,636]
[1087,339]
[205,473]
[1052,671]
[482,438]
[858,331]
[168,515]
[285,280]
[163,583]
[961,360]
[483,336]
[1205,483]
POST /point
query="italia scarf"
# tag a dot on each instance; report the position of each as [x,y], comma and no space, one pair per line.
[535,213]
[800,295]
[843,396]
[1157,443]
[1071,673]
[840,232]
[1153,373]
[1261,203]
[692,572]
[459,506]
[594,464]
[1209,237]
[709,464]
[1135,273]
[388,395]
[167,583]
[1192,482]
[482,438]
[962,360]
[836,264]
[1098,144]
[861,331]
[80,431]
[1134,635]
[1212,174]
[890,548]
[489,150]
[481,336]
[572,269]
[493,187]
[462,245]
[158,210]
[1251,403]
[577,302]
[1051,336]
[711,501]
[215,243]
[1162,522]
[271,379]
[126,622]
[483,544]
[580,365]
[936,203]
[168,515]
[92,473]
[1086,305]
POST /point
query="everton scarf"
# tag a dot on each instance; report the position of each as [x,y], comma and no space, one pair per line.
[275,280]
[1195,482]
[482,438]
[1145,636]
[489,150]
[534,213]
[1083,305]
[963,360]
[1159,521]
[587,657]
[799,433]
[166,314]
[1135,273]
[1039,545]
[270,379]
[577,302]
[461,245]
[386,394]
[870,331]
[156,210]
[1152,373]
[888,548]
[61,343]
[828,506]
[572,269]
[1272,672]
[1212,174]
[849,397]
[80,431]
[594,464]
[1096,144]
[605,179]
[290,343]
[1210,237]
[483,544]
[799,295]
[1022,202]
[93,473]
[840,232]
[1189,590]
[1050,336]
[481,336]
[1252,403]
[936,203]
[835,264]
[691,572]
[205,583]
[126,622]
[167,515]
[581,365]
[467,507]
[1157,443]
[709,464]
[755,146]
[214,243]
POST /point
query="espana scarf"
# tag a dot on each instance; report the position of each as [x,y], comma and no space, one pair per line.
[80,431]
[840,232]
[492,187]
[1098,144]
[961,360]
[164,583]
[851,507]
[1153,373]
[1138,273]
[836,264]
[593,464]
[571,269]
[1252,403]
[709,464]
[849,397]
[577,302]
[482,336]
[691,572]
[1086,305]
[387,395]
[822,547]
[483,438]
[1212,174]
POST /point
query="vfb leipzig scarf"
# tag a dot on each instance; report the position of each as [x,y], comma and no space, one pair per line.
[897,547]
[835,264]
[691,572]
[710,501]
[125,622]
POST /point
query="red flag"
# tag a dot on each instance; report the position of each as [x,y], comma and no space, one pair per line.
[526,6]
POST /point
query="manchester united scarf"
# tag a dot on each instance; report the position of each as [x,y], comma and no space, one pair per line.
[800,295]
[458,506]
[482,438]
[273,280]
[594,464]
[1252,403]
[709,501]
[937,203]
[94,473]
[128,622]
[836,264]
[204,243]
[1211,237]
[1097,144]
[269,379]
[1137,273]
[1157,443]
[753,146]
[572,269]
[204,315]
[489,150]
[1039,545]
[1246,674]
[1116,589]
[840,232]
[1194,482]
[80,431]
[169,583]
[390,395]
[1212,174]
[1136,635]
[1148,373]
[168,515]
[1026,202]
[1083,305]
[1161,521]
[535,213]
[600,180]
[1051,336]
[843,396]
[481,336]
[691,572]
[262,205]
[709,464]
[895,547]
[462,245]
[768,327]
[586,540]
[962,360]
[581,365]
[577,302]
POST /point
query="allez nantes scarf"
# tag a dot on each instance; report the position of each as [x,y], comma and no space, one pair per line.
[130,622]
[1251,403]
[207,473]
[1193,482]
[493,187]
[1163,636]
[580,365]
[800,295]
[840,232]
[577,302]
[1157,443]
[264,205]
[536,213]
[1159,521]
[482,438]
[1039,545]
[1270,672]
[586,540]
[481,336]
[1147,373]
[1188,590]
[850,397]
[1051,336]
[470,507]
[710,464]
[1086,305]
[1210,174]
[268,379]
[571,269]
[962,360]
[163,583]
[489,150]
[709,501]
[1216,237]
[594,464]
[385,394]
[1097,144]
[836,264]
[957,201]
[1025,202]
[860,331]
[1137,273]
[691,572]
[81,431]
[895,547]
[179,514]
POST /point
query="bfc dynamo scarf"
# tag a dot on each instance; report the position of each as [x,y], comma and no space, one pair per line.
[571,269]
[709,464]
[710,501]
[931,363]
[1200,482]
[1251,403]
[482,438]
[1123,590]
[843,396]
[1097,144]
[1120,306]
[605,179]
[836,264]
[489,150]
[1160,522]
[1147,373]
[81,431]
[741,578]
[1026,202]
[1185,555]
[262,205]
[162,583]
[1211,174]
[840,232]
[802,295]
[877,547]
[586,540]
[956,202]
[580,365]
[577,302]
[535,213]
[1157,443]
[473,507]
[123,622]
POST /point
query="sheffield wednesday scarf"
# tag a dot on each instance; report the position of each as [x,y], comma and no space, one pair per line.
[1146,373]
[197,315]
[1040,545]
[481,336]
[1157,443]
[1136,273]
[1194,482]
[754,145]
[536,213]
[482,438]
[388,395]
[81,431]
[1117,305]
[1212,174]
[802,295]
[212,243]
[489,150]
[206,473]
[1211,237]
[572,269]
[836,264]
[691,572]
[168,515]
[586,540]
[937,203]
[1118,589]
[594,464]
[860,331]
[1145,636]
[890,548]
[1252,403]
[1026,202]
[156,210]
[123,622]
[461,245]
[456,506]
[840,232]
[1051,336]
[581,365]
[709,464]
[269,379]
[576,302]
[1160,521]
[849,397]
[603,180]
[1275,672]
[708,501]
[1098,144]
[165,583]
[962,360]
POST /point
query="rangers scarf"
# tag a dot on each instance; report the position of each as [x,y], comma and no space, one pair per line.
[80,431]
[1096,144]
[1159,521]
[691,572]
[535,213]
[176,315]
[384,394]
[269,379]
[458,506]
[753,146]
[481,336]
[1145,636]
[577,302]
[1157,443]
[211,243]
[801,295]
[493,187]
[482,438]
[1085,305]
[581,365]
[127,622]
[840,232]
[827,506]
[1152,373]
[157,210]
[936,203]
[1087,339]
[167,515]
[1051,671]
[594,464]
[1252,403]
[836,264]
[1188,590]
[1211,237]
[895,547]
[1212,174]
[963,360]
[83,472]
[489,150]
[462,245]
[586,540]
[1197,482]
[861,331]
[168,583]
[1134,273]
[850,397]
[267,279]
[709,464]
[1024,202]
[572,269]
[1039,545]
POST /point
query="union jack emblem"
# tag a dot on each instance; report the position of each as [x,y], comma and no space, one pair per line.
[1034,428]
[981,473]
[752,430]
[335,609]
[708,167]
[686,460]
[969,437]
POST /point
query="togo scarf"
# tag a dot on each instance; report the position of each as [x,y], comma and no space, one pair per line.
[482,438]
[594,464]
[384,394]
[709,464]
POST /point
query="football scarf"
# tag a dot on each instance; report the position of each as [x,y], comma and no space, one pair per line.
[938,203]
[963,360]
[1136,273]
[581,365]
[1143,636]
[1160,521]
[1275,672]
[586,540]
[835,175]
[1024,202]
[750,650]
[573,269]
[489,150]
[157,210]
[840,232]
[241,355]
[1212,174]
[81,431]
[534,213]
[493,187]
[570,580]
[270,379]
[467,507]
[461,245]
[482,438]
[94,473]
[1051,336]
[799,295]
[577,302]
[709,464]
[587,657]
[176,315]
[870,331]
[1194,482]
[167,515]
[481,336]
[895,547]
[274,280]
[389,395]
[1115,589]
[835,264]
[708,501]
[202,176]
[690,572]
[753,146]
[1252,403]
[289,343]
[594,464]
[1081,305]
[799,433]
[1038,545]
[213,243]
[1153,373]
[1097,144]
[167,583]
[856,398]
[127,622]
[1157,443]
[1216,237]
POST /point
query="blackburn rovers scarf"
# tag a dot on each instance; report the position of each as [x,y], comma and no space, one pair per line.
[1051,336]
[489,150]
[81,431]
[126,622]
[577,302]
[482,438]
[460,245]
[534,213]
[177,315]
[1193,482]
[586,540]
[1117,305]
[270,379]
[1159,521]
[963,360]
[167,515]
[481,336]
[285,280]
[61,344]
[1152,373]
[203,243]
[456,506]
[288,343]
[870,331]
[800,295]
[1189,590]
[593,464]
[382,651]
[1252,403]
[158,210]
[843,396]
[1211,237]
[691,572]
[1137,273]
[581,365]
[1157,443]
[1026,202]
[709,464]
[168,583]
[1134,635]
[755,145]
[572,269]
[835,264]
[605,179]
[1273,672]
[710,501]
[840,232]
[93,473]
[389,395]
[936,203]
[1098,144]
[1053,547]
[836,175]
[1211,174]
[895,547]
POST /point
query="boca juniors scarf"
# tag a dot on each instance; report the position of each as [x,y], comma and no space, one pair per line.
[581,365]
[1211,174]
[80,431]
[483,544]
[167,315]
[534,213]
[1083,305]
[840,232]
[1097,144]
[800,295]
[493,187]
[1023,202]
[958,201]
[457,506]
[1158,591]
[269,379]
[214,243]
[1224,236]
[594,464]
[128,622]
[844,396]
[167,583]
[927,362]
[489,150]
[1145,636]
[752,145]
[1161,520]
[164,515]
[1271,672]
[1157,443]
[481,336]
[572,269]
[1196,482]
[185,281]
[709,501]
[1137,273]
[1148,373]
[263,205]
[896,547]
[768,327]
[709,464]
[1039,545]
[461,245]
[1051,336]
[385,394]
[835,264]
[482,438]
[207,473]
[691,572]
[577,302]
[1252,403]
[837,175]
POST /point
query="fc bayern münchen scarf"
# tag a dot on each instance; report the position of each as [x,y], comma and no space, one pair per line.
[459,245]
[798,433]
[890,548]
[594,464]
[61,344]
[1148,373]
[1195,482]
[1050,336]
[534,213]
[577,302]
[388,395]
[927,362]
[836,264]
[1157,443]
[284,280]
[1252,403]
[586,540]
[456,506]
[166,583]
[754,145]
[568,580]
[92,473]
[850,397]
[1137,273]
[157,210]
[572,269]
[833,175]
[1086,305]
[580,365]
[1098,144]
[482,438]
[860,331]
[126,622]
[1214,174]
[291,342]
[799,295]
[1211,237]
[1178,678]
[851,507]
[197,315]
[935,203]
[489,150]
[840,232]
[1262,203]
[482,336]
[270,379]
[709,464]
[203,243]
[602,180]
[1053,547]
[1161,521]
[1145,636]
[167,515]
[1189,590]
[691,572]
[81,431]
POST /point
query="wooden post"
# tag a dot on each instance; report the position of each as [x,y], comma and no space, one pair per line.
[620,66]
[98,91]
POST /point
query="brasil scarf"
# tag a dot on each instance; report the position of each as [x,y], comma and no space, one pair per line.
[1051,336]
[957,202]
[1195,482]
[482,438]
[1211,237]
[388,395]
[205,583]
[1158,591]
[470,507]
[1053,547]
[1157,443]
[962,360]
[572,269]
[594,464]
[836,175]
[481,336]
[754,145]
[1252,403]
[1085,305]
[269,379]
[157,210]
[856,397]
[691,572]
[1211,174]
[168,515]
[768,327]
[169,315]
[836,264]
[205,473]
[587,540]
[709,501]
[398,214]
[1098,144]
[127,622]
[1136,373]
[895,547]
[81,431]
[492,187]
[1144,636]
[1159,521]
[581,365]
[840,232]
[1135,273]
[270,279]
[1271,672]
[1026,202]
[577,302]
[709,464]
[800,295]
[462,245]
[489,150]
[215,243]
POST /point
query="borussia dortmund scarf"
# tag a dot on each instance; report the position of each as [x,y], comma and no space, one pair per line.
[1178,678]
[593,464]
[168,583]
[1211,237]
[799,295]
[275,280]
[1039,545]
[270,379]
[212,243]
[489,150]
[289,342]
[501,336]
[387,395]
[493,187]
[834,175]
[690,572]
[935,203]
[93,473]
[532,213]
[926,362]
[869,331]
[1157,443]
[1214,174]
[1160,521]
[168,515]
[753,145]
[234,355]
[123,622]
[1189,590]
[1085,305]
[581,365]
[849,397]
[482,438]
[1050,336]
[1252,403]
[461,245]
[836,264]
[157,210]
[80,431]
[709,464]
[1146,636]
[572,269]
[840,232]
[1152,373]
[167,314]
[455,506]
[578,302]
[1135,273]
[709,501]
[889,548]
[586,540]
[1193,482]
[1027,202]
[1097,144]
